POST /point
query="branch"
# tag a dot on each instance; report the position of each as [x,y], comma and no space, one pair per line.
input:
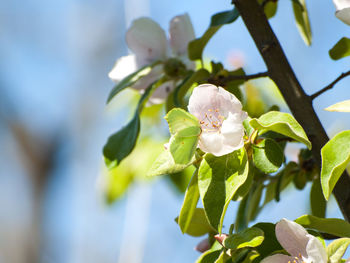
[283,75]
[221,80]
[330,86]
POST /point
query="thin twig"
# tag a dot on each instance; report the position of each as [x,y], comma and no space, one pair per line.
[221,80]
[330,86]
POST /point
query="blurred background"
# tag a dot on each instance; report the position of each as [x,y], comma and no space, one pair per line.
[55,57]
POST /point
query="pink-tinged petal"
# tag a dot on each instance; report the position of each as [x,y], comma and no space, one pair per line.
[292,237]
[203,98]
[315,250]
[162,92]
[344,15]
[181,33]
[122,68]
[203,246]
[341,4]
[144,82]
[278,258]
[147,40]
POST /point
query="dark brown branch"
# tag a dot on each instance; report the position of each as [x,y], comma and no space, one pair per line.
[330,86]
[283,75]
[221,80]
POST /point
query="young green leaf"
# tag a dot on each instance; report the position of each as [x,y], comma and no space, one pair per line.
[334,226]
[254,201]
[190,203]
[335,157]
[270,242]
[302,20]
[341,49]
[183,144]
[196,47]
[209,256]
[181,90]
[251,237]
[165,164]
[268,156]
[218,180]
[317,202]
[198,225]
[343,106]
[336,249]
[282,123]
[179,119]
[222,258]
[131,80]
[270,8]
[120,144]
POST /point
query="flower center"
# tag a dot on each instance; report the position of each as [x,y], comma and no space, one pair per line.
[212,121]
[298,259]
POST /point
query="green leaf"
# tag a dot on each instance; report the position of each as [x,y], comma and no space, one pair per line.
[165,164]
[254,201]
[244,189]
[131,79]
[336,249]
[178,120]
[341,49]
[183,144]
[209,256]
[120,144]
[335,157]
[190,203]
[282,123]
[222,258]
[225,17]
[276,186]
[270,243]
[302,20]
[198,225]
[317,202]
[334,226]
[181,90]
[218,179]
[268,156]
[343,106]
[251,237]
[196,47]
[241,221]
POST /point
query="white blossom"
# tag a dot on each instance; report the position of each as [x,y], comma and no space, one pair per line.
[148,42]
[221,119]
[342,10]
[302,247]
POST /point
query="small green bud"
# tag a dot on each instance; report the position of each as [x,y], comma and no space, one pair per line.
[174,68]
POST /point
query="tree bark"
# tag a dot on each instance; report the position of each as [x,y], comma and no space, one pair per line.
[297,100]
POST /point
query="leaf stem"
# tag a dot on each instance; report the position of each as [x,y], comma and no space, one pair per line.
[331,85]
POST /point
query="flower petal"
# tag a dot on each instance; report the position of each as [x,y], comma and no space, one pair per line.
[344,15]
[144,82]
[293,237]
[233,131]
[278,258]
[212,142]
[122,68]
[181,33]
[341,4]
[147,40]
[315,250]
[162,92]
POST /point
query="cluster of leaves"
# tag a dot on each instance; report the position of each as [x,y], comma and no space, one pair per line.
[254,175]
